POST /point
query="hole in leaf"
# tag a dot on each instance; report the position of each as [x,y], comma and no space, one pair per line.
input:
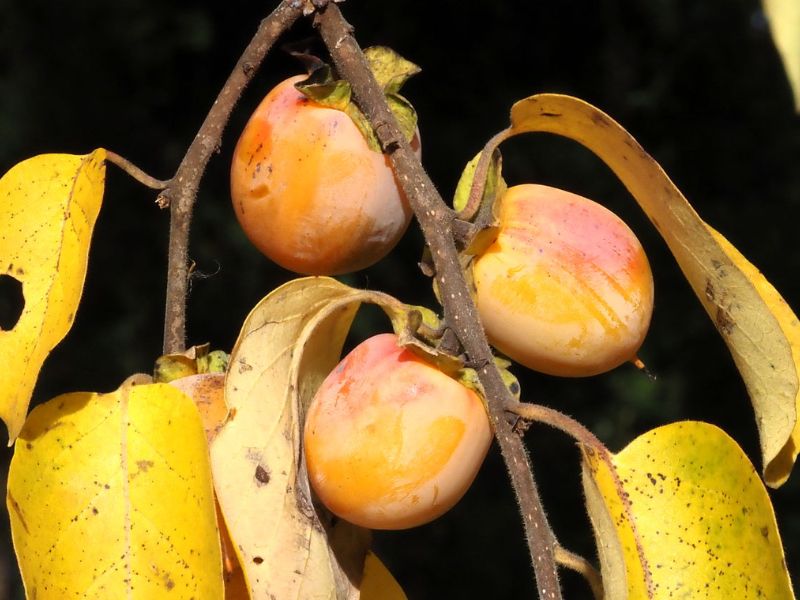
[11,301]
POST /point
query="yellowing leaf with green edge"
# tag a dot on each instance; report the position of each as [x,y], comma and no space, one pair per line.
[288,344]
[680,513]
[110,496]
[784,22]
[48,208]
[758,327]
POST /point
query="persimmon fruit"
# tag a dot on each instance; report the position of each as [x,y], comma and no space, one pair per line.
[309,192]
[566,288]
[390,441]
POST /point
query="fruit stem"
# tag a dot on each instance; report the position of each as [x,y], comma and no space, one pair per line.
[557,420]
[135,172]
[181,193]
[436,222]
[580,565]
[481,171]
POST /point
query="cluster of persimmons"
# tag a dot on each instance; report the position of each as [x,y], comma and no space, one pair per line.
[564,288]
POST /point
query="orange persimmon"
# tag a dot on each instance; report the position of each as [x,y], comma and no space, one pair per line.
[390,441]
[309,192]
[566,288]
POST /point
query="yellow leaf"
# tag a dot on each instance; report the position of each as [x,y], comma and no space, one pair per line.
[207,392]
[784,22]
[289,343]
[681,511]
[110,496]
[49,207]
[753,324]
[777,470]
[378,583]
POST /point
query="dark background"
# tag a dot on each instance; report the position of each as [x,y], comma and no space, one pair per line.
[699,84]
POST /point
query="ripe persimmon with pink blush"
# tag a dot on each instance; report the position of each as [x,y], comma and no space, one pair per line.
[309,192]
[566,288]
[390,441]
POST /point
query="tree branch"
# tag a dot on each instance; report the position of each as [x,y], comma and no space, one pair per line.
[181,193]
[436,221]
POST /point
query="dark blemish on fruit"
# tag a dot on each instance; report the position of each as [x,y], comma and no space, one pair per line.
[258,560]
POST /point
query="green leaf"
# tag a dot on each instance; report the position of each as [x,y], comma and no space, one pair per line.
[389,68]
[494,188]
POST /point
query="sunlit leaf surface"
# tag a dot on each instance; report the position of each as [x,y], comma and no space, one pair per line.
[48,208]
[784,22]
[288,344]
[758,327]
[110,496]
[682,513]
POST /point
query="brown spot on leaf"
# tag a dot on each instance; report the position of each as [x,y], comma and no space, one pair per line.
[724,321]
[710,291]
[262,475]
[600,119]
[18,511]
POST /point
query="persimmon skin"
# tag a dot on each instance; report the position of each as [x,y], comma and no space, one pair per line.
[566,288]
[390,441]
[309,192]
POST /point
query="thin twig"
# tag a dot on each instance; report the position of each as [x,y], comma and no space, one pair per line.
[580,565]
[557,420]
[436,220]
[479,177]
[135,172]
[181,194]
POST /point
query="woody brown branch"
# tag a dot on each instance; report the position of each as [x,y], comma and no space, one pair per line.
[436,221]
[181,193]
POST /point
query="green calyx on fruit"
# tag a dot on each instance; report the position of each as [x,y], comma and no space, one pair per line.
[307,185]
[390,70]
[195,360]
